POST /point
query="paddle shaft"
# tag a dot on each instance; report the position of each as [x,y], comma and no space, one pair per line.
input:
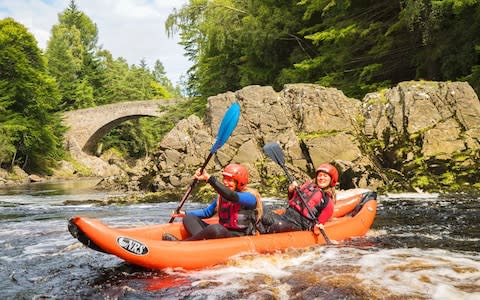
[185,197]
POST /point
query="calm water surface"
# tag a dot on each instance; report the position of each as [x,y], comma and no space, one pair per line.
[422,246]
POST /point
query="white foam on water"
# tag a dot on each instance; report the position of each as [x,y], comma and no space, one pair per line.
[79,206]
[421,273]
[240,272]
[413,195]
[10,231]
[448,292]
[250,271]
[343,194]
[411,234]
[34,239]
[445,234]
[376,232]
[247,267]
[431,274]
[46,247]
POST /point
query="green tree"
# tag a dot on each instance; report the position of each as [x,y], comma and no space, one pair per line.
[161,77]
[128,83]
[114,85]
[356,46]
[237,43]
[72,58]
[364,46]
[205,28]
[353,48]
[31,133]
[159,73]
[449,34]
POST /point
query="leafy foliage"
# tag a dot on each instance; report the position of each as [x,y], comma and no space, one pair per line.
[137,137]
[356,46]
[71,58]
[125,83]
[31,134]
[235,43]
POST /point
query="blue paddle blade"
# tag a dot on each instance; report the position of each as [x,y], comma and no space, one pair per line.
[229,122]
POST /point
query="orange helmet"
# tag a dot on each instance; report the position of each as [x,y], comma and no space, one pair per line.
[331,171]
[239,173]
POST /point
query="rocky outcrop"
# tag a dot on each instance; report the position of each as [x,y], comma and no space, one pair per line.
[16,176]
[417,135]
[427,132]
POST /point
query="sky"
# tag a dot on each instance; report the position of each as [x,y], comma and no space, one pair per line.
[132,29]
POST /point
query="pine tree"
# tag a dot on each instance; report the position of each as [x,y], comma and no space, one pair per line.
[72,58]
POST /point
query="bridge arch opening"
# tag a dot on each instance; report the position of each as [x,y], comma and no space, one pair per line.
[90,146]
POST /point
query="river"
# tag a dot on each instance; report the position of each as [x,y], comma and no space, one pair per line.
[421,246]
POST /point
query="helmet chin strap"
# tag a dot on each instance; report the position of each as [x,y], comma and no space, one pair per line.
[236,185]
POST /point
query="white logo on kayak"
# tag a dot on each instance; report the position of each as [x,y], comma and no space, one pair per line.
[132,246]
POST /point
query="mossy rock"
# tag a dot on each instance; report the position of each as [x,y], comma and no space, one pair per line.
[157,197]
[204,194]
[275,187]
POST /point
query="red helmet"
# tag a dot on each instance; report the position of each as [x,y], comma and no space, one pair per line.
[331,171]
[237,172]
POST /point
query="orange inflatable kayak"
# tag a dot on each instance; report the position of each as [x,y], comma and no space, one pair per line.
[144,246]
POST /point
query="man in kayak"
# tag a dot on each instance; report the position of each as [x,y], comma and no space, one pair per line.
[239,208]
[318,195]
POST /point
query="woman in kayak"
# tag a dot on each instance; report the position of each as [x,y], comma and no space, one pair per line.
[318,195]
[239,208]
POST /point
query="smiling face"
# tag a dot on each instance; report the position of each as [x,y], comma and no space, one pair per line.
[230,183]
[323,180]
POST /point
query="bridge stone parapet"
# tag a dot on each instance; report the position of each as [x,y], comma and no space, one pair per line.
[87,126]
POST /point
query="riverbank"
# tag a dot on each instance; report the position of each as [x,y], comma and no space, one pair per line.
[74,168]
[18,180]
[17,176]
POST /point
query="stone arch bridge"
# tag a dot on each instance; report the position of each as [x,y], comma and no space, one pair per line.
[87,126]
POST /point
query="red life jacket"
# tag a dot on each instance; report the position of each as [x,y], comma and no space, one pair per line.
[315,198]
[232,215]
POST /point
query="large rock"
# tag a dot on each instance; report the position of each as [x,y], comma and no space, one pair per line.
[409,137]
[308,121]
[427,132]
